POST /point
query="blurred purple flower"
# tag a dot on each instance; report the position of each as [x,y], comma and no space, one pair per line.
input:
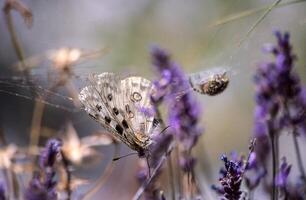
[38,189]
[282,176]
[159,147]
[43,185]
[2,191]
[184,113]
[296,191]
[280,99]
[50,153]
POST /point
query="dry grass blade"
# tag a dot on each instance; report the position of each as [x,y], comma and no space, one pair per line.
[251,12]
[103,178]
[260,19]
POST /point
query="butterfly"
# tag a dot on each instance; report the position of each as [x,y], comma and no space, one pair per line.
[117,105]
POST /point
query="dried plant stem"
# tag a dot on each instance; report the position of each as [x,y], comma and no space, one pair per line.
[178,171]
[169,160]
[276,139]
[39,106]
[36,125]
[259,20]
[296,145]
[103,178]
[274,166]
[298,154]
[142,188]
[248,13]
[14,40]
[15,184]
[66,166]
[37,117]
[171,177]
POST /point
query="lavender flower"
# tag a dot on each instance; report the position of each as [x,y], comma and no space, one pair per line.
[282,176]
[280,88]
[183,113]
[50,153]
[280,103]
[39,189]
[231,179]
[43,185]
[296,191]
[2,191]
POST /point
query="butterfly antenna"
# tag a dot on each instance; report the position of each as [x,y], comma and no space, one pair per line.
[149,168]
[117,158]
[165,129]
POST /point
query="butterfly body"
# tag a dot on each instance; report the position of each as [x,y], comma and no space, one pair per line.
[116,104]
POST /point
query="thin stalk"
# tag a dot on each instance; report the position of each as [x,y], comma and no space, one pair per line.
[259,20]
[36,124]
[296,145]
[39,106]
[276,160]
[163,158]
[169,160]
[247,13]
[68,175]
[272,140]
[37,117]
[171,177]
[179,174]
[298,154]
[14,40]
[103,178]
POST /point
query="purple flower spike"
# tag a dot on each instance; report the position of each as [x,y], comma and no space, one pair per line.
[184,113]
[37,190]
[43,185]
[2,191]
[282,176]
[50,153]
[231,179]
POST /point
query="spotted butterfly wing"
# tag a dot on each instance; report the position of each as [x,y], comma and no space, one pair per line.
[111,102]
[136,100]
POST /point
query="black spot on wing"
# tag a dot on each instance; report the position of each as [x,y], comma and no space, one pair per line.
[109,97]
[99,108]
[125,124]
[116,111]
[107,119]
[119,129]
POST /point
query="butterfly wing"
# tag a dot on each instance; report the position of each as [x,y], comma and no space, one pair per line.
[137,102]
[103,100]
